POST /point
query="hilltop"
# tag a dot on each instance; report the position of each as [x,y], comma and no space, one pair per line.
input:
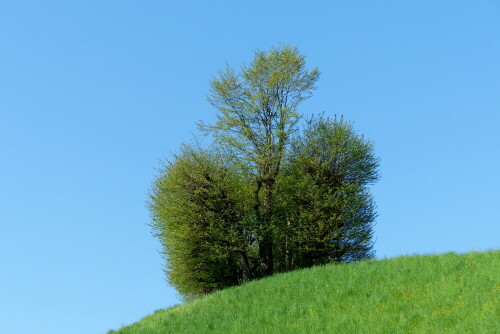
[449,293]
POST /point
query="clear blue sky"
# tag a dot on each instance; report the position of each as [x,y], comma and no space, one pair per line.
[94,93]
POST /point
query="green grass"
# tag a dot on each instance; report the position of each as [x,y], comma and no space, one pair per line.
[447,293]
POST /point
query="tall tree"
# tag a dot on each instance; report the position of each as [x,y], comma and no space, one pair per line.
[258,114]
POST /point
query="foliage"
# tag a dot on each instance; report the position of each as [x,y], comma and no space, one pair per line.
[199,207]
[447,293]
[325,203]
[264,198]
[258,114]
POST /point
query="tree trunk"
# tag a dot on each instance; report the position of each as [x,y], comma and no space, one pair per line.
[266,256]
[266,244]
[247,271]
[287,246]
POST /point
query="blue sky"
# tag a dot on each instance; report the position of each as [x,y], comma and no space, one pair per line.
[93,94]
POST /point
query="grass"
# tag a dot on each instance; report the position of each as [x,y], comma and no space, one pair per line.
[447,293]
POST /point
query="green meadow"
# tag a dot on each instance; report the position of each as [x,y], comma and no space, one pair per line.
[449,293]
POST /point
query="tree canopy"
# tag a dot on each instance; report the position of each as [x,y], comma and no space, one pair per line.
[264,197]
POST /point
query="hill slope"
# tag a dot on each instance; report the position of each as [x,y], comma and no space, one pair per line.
[447,293]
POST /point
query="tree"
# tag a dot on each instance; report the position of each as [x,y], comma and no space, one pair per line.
[324,196]
[198,208]
[258,114]
[264,198]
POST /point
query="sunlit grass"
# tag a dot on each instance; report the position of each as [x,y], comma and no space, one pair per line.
[447,293]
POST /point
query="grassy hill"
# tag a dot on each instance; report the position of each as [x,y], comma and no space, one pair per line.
[447,293]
